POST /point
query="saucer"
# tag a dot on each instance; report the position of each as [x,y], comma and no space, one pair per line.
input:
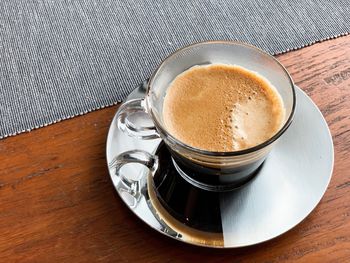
[287,188]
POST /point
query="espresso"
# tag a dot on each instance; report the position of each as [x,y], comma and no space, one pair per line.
[222,108]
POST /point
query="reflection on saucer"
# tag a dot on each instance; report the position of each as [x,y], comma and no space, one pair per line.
[187,233]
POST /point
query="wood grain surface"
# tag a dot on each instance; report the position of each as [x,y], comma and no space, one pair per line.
[57,203]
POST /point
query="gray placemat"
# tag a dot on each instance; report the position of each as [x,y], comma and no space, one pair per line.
[60,59]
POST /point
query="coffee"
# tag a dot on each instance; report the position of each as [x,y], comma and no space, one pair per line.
[222,108]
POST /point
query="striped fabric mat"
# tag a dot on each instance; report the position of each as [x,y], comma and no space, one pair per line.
[60,59]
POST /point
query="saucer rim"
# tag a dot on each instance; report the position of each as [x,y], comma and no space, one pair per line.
[331,162]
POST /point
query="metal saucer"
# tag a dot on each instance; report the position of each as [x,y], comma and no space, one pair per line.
[290,184]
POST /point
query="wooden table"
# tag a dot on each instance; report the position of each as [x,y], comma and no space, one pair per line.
[57,202]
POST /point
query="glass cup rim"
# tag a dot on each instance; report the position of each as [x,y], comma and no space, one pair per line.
[214,153]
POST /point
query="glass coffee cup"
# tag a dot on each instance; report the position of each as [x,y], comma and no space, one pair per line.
[208,170]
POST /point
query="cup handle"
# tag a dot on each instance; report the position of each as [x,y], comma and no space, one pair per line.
[128,108]
[133,156]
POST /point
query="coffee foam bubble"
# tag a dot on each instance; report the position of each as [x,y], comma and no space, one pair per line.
[222,108]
